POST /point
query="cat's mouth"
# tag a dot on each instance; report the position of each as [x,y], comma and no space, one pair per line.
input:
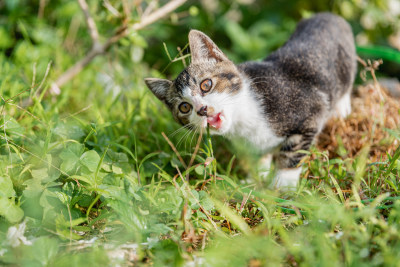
[216,120]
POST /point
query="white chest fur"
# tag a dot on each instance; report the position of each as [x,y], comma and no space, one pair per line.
[249,122]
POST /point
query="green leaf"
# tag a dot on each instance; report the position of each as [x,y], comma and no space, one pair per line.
[199,170]
[70,157]
[201,215]
[206,201]
[86,179]
[138,40]
[117,170]
[69,131]
[85,200]
[91,160]
[48,201]
[5,39]
[106,167]
[63,197]
[33,188]
[194,199]
[6,187]
[12,127]
[169,201]
[10,210]
[175,162]
[45,248]
[40,174]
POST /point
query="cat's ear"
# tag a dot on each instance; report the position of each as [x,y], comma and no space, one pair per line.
[203,48]
[159,87]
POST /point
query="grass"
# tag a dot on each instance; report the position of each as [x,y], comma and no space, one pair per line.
[88,178]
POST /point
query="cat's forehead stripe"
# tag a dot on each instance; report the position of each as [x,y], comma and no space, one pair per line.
[227,75]
[182,80]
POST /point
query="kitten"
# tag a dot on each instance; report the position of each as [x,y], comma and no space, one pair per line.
[279,104]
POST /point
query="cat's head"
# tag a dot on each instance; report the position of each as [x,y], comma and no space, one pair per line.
[206,91]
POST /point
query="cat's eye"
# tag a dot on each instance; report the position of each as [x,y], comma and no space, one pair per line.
[185,107]
[206,85]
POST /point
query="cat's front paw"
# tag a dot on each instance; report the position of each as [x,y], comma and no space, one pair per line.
[286,179]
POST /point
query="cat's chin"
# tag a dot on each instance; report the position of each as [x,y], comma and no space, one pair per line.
[218,124]
[220,131]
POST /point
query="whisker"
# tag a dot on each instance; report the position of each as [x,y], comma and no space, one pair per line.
[184,136]
[193,135]
[191,141]
[178,130]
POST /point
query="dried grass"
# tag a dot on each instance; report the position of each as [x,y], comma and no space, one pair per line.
[365,126]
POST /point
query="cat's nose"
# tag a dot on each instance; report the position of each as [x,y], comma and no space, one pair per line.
[202,111]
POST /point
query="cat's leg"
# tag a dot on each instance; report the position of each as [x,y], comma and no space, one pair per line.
[265,165]
[343,106]
[288,158]
[287,179]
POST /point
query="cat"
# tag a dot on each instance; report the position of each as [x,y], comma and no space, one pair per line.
[280,104]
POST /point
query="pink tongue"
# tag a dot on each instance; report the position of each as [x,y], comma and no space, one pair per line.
[215,121]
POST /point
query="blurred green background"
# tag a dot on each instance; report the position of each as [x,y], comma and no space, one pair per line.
[40,31]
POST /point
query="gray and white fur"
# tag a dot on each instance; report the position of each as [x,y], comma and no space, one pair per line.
[279,104]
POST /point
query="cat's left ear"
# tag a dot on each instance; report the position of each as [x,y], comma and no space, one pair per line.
[159,87]
[203,48]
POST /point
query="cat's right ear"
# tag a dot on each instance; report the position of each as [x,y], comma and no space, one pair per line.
[159,87]
[203,48]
